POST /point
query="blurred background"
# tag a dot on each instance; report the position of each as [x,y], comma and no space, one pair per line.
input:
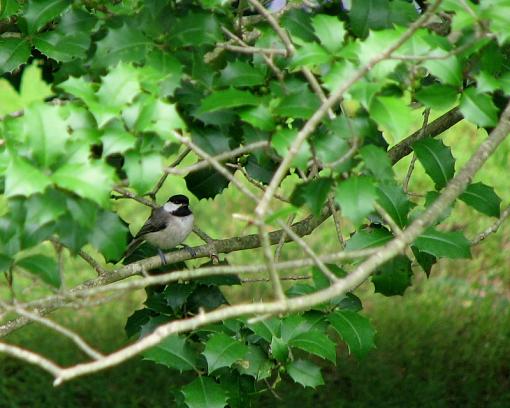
[445,343]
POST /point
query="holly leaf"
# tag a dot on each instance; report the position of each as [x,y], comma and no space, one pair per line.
[92,180]
[239,73]
[393,199]
[448,70]
[393,116]
[223,351]
[109,236]
[143,171]
[478,108]
[452,245]
[425,260]
[368,239]
[119,87]
[377,161]
[206,183]
[437,96]
[369,15]
[316,343]
[314,193]
[173,352]
[33,88]
[298,105]
[355,330]
[259,117]
[309,54]
[305,373]
[229,98]
[330,31]
[204,393]
[21,178]
[46,132]
[482,198]
[125,43]
[13,53]
[356,197]
[394,277]
[255,363]
[38,13]
[42,266]
[267,328]
[437,160]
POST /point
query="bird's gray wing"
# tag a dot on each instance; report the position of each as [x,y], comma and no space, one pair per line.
[156,222]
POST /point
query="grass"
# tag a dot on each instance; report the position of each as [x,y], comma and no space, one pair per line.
[445,343]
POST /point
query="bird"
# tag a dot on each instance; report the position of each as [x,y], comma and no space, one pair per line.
[167,227]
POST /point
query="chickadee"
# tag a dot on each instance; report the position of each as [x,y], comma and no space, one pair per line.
[167,226]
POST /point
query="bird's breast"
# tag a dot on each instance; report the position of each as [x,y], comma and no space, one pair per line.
[175,233]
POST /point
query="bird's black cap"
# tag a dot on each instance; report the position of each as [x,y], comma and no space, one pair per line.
[179,199]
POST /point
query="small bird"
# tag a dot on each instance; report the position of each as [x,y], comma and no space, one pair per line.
[167,226]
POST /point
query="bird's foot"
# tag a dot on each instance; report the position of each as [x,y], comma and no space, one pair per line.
[190,250]
[162,256]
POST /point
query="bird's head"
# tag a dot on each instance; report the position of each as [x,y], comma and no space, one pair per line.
[177,205]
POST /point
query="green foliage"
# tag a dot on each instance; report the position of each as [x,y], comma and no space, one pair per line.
[98,95]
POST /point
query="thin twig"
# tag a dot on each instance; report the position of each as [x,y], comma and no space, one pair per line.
[163,178]
[336,219]
[54,326]
[128,194]
[493,228]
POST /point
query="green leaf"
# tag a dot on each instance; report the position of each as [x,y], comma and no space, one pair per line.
[279,349]
[394,277]
[8,8]
[255,363]
[206,183]
[21,178]
[356,197]
[125,43]
[229,98]
[267,328]
[377,161]
[393,115]
[176,294]
[308,55]
[426,261]
[339,73]
[42,266]
[116,140]
[302,105]
[13,53]
[371,48]
[259,117]
[437,160]
[33,88]
[355,330]
[173,352]
[282,141]
[45,208]
[160,117]
[368,239]
[239,73]
[314,193]
[46,132]
[223,351]
[330,31]
[161,74]
[196,29]
[452,245]
[437,96]
[143,171]
[393,199]
[369,15]
[119,87]
[11,101]
[204,393]
[316,343]
[109,236]
[482,198]
[38,13]
[93,181]
[478,108]
[298,23]
[485,82]
[305,373]
[449,70]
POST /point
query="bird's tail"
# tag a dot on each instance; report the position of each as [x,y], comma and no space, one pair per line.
[133,245]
